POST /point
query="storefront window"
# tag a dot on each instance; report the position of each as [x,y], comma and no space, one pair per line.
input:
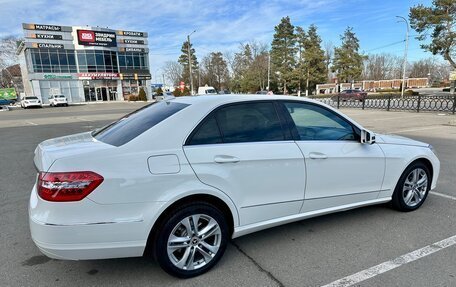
[97,61]
[53,61]
[133,61]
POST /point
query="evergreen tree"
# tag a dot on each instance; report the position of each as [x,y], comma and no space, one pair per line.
[348,62]
[314,59]
[283,51]
[142,95]
[441,19]
[183,60]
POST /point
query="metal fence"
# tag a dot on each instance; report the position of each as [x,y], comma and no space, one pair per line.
[410,103]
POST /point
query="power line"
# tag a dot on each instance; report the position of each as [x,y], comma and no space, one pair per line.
[386,46]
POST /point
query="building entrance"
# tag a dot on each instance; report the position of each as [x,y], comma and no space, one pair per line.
[100,90]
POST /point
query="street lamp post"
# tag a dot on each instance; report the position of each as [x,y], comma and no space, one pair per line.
[405,53]
[190,61]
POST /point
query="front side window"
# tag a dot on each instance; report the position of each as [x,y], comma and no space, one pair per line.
[312,122]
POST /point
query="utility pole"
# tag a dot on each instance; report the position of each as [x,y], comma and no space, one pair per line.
[405,53]
[307,82]
[269,70]
[190,62]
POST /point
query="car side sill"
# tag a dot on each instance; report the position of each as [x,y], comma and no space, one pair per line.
[243,230]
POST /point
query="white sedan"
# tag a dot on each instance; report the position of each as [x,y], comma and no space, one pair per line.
[29,101]
[177,179]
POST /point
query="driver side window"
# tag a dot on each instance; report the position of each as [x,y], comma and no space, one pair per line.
[319,124]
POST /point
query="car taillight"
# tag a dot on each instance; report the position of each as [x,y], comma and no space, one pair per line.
[67,186]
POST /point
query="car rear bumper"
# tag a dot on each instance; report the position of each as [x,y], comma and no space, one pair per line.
[87,230]
[32,105]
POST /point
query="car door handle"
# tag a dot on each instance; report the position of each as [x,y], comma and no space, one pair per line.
[317,155]
[225,159]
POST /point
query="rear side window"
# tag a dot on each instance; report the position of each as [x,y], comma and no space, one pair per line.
[246,122]
[137,122]
[207,133]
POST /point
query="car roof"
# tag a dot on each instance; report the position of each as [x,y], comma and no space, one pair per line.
[221,99]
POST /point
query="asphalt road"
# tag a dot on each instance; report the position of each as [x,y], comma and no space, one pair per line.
[313,252]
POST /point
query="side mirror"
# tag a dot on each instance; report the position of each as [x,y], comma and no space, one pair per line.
[367,137]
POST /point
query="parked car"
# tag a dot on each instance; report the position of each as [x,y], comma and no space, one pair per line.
[261,93]
[236,164]
[206,90]
[5,102]
[58,100]
[224,92]
[30,101]
[351,94]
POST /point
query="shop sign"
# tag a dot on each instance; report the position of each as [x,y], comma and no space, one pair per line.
[133,41]
[96,38]
[100,76]
[43,27]
[127,49]
[130,33]
[47,45]
[47,36]
[134,76]
[56,77]
[8,94]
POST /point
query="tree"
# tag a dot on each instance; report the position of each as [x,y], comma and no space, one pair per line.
[173,72]
[314,59]
[159,91]
[142,95]
[348,62]
[283,51]
[215,70]
[185,92]
[177,92]
[382,67]
[432,68]
[183,60]
[329,54]
[441,19]
[8,46]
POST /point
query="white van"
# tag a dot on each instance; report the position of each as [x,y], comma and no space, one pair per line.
[206,90]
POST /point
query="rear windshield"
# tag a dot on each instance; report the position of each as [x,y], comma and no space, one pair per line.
[137,122]
[61,96]
[31,98]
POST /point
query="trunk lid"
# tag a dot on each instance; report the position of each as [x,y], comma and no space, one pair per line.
[48,151]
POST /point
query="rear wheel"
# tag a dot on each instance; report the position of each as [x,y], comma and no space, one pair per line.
[412,188]
[192,240]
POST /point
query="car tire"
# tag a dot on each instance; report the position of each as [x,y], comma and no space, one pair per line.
[198,253]
[412,188]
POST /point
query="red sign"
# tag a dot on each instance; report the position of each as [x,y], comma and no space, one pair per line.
[86,36]
[95,76]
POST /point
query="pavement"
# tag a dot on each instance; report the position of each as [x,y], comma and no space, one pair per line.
[375,245]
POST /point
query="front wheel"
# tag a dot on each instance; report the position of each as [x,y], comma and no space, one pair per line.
[192,240]
[412,188]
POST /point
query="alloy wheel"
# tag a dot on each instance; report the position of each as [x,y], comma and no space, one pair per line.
[415,187]
[194,242]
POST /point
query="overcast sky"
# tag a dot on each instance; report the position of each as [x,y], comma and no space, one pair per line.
[221,24]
